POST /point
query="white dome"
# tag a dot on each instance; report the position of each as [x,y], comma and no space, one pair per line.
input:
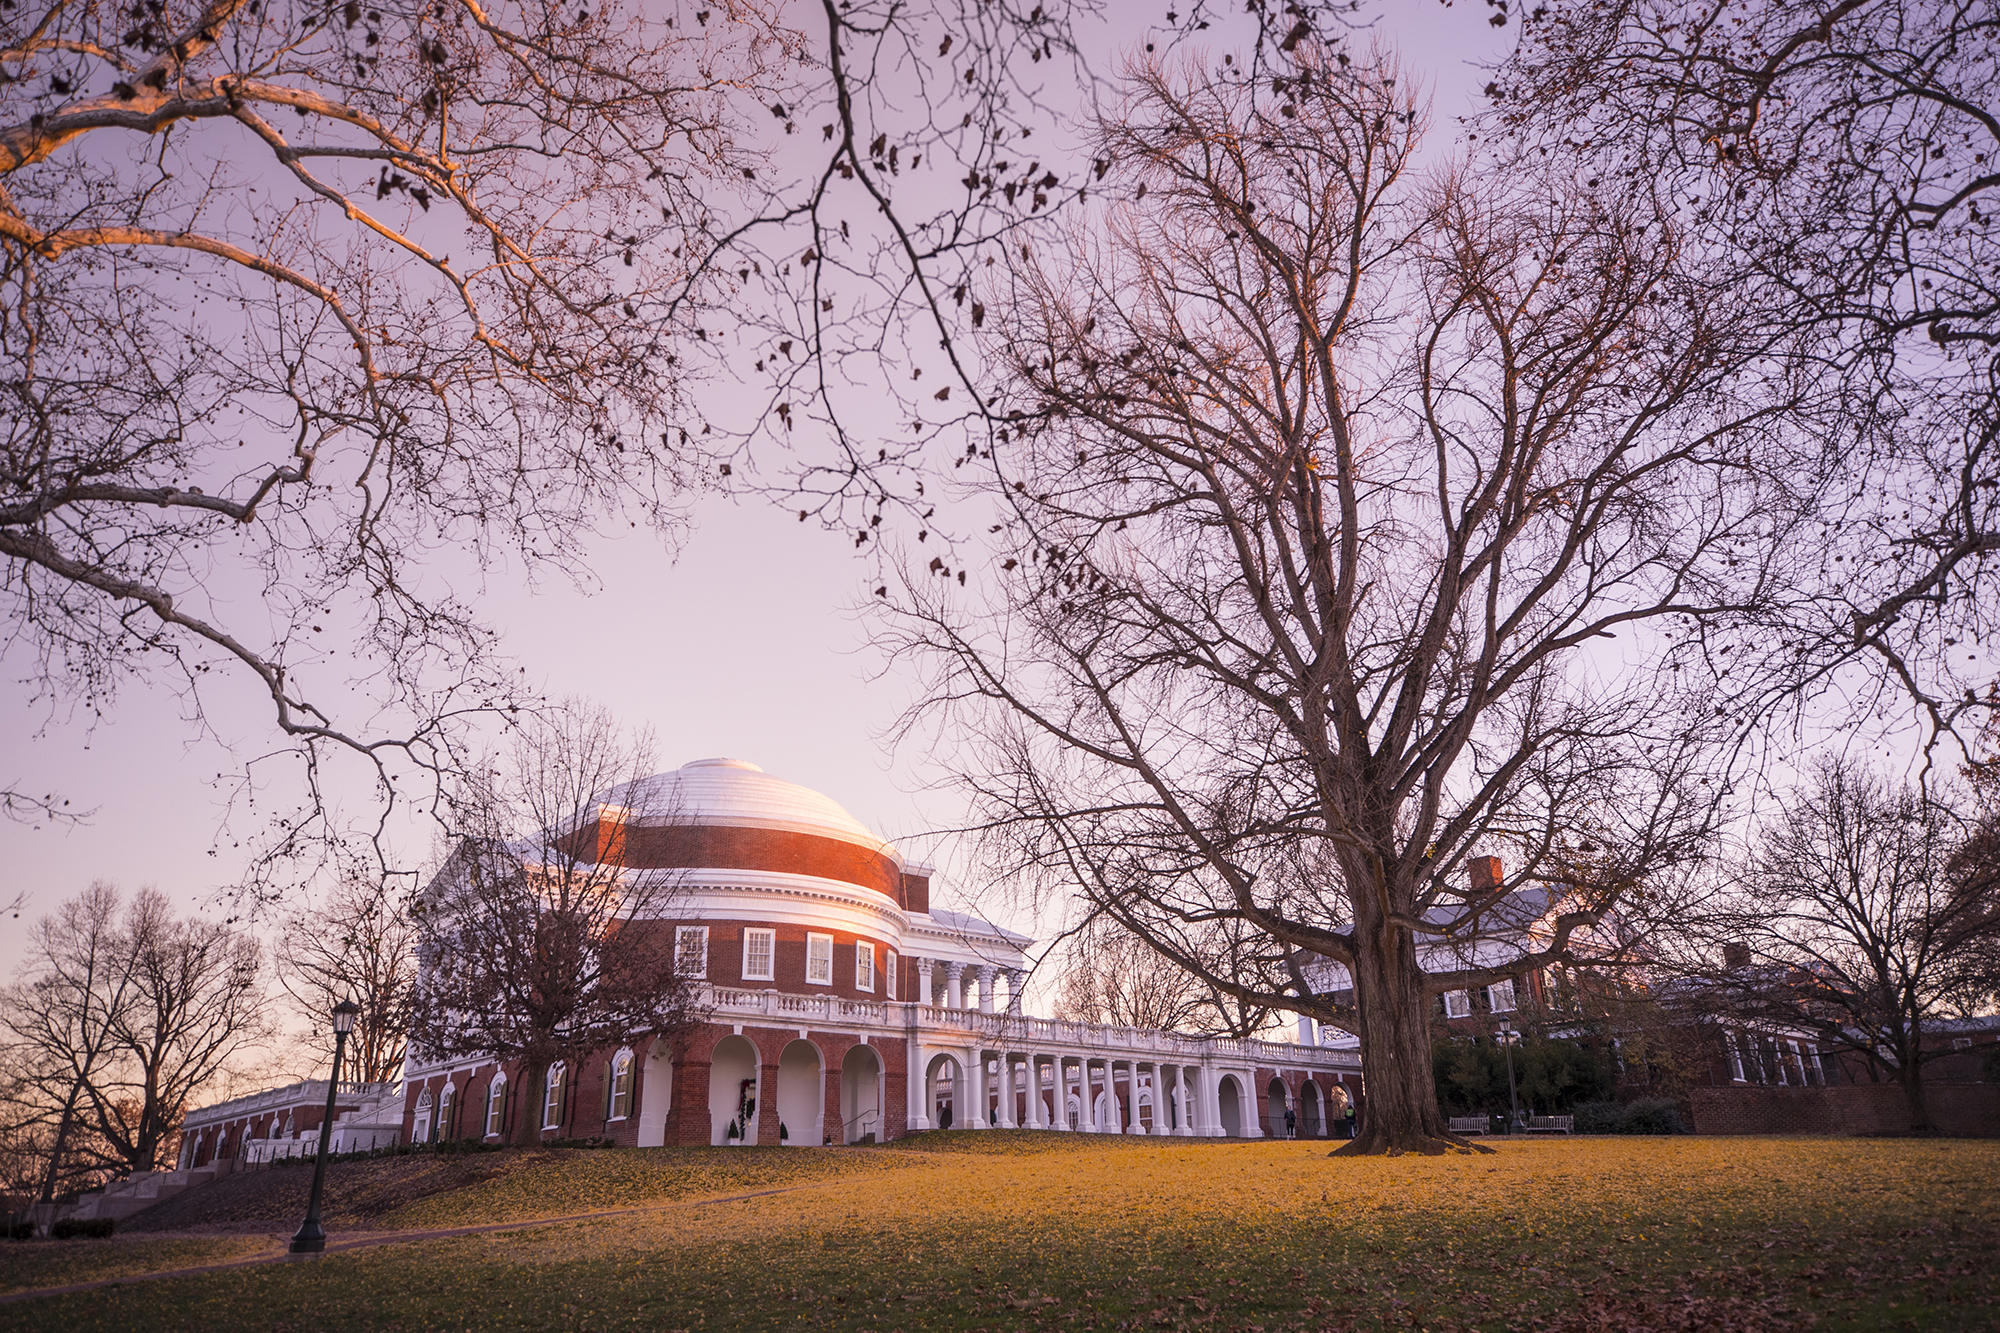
[735,793]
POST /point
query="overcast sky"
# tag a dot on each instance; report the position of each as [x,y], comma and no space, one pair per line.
[745,645]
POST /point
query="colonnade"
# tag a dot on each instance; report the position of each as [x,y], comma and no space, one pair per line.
[1113,1094]
[947,985]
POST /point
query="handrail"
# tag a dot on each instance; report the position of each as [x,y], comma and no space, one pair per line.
[1023,1028]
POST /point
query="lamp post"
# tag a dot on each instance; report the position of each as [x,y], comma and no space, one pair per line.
[311,1237]
[1513,1101]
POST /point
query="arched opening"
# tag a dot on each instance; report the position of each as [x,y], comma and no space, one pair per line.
[1229,1096]
[420,1127]
[861,1096]
[1338,1100]
[801,1094]
[732,1091]
[656,1096]
[942,1079]
[1144,1117]
[1278,1099]
[1312,1124]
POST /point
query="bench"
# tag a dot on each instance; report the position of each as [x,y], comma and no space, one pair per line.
[1551,1124]
[1468,1124]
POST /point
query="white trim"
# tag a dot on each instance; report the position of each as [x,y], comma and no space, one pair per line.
[768,938]
[621,1072]
[1457,1004]
[864,966]
[496,1104]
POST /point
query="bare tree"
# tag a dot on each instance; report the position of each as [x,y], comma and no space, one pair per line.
[62,1021]
[1352,527]
[540,944]
[359,944]
[124,1015]
[1835,159]
[197,1002]
[1110,976]
[299,294]
[1852,922]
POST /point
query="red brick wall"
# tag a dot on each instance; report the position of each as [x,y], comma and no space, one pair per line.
[709,846]
[788,959]
[1968,1110]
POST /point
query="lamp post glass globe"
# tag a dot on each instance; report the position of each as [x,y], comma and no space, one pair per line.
[311,1237]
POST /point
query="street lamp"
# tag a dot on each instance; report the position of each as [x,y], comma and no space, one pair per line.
[1507,1041]
[310,1237]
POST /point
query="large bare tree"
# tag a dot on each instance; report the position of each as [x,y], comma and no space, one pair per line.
[539,944]
[1352,526]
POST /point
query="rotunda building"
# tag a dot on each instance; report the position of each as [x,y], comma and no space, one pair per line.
[838,1006]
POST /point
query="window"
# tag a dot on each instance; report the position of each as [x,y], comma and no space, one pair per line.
[864,966]
[552,1098]
[890,990]
[691,951]
[445,1101]
[1457,1004]
[1735,1056]
[757,950]
[1500,995]
[420,1128]
[1961,1043]
[621,1086]
[819,960]
[496,1102]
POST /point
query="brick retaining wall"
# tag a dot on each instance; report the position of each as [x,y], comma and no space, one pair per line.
[1970,1110]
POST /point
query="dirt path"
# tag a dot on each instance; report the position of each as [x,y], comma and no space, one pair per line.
[370,1240]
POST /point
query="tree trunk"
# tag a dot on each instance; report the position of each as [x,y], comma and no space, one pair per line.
[1401,1112]
[1911,1076]
[534,1097]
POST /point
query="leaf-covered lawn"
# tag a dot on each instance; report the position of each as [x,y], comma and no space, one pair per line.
[990,1231]
[26,1264]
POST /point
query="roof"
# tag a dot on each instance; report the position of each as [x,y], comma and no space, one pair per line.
[735,793]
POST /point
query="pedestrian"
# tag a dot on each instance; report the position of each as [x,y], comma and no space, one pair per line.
[1291,1123]
[1350,1119]
[944,1116]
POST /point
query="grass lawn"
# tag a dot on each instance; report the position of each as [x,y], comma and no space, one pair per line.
[1015,1231]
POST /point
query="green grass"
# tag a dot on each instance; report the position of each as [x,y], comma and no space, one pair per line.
[993,1231]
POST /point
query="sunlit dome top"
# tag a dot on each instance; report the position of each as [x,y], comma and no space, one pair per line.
[735,793]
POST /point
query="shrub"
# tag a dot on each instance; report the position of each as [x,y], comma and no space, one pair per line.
[1652,1115]
[90,1228]
[20,1229]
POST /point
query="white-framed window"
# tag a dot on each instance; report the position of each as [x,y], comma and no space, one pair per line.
[552,1097]
[1729,1043]
[621,1085]
[1457,1004]
[819,960]
[691,951]
[446,1099]
[496,1102]
[864,965]
[1961,1043]
[1500,997]
[889,975]
[420,1128]
[759,946]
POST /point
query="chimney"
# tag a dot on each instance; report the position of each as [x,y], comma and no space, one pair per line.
[1735,956]
[1486,873]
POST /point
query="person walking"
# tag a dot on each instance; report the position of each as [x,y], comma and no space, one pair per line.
[1291,1123]
[1349,1115]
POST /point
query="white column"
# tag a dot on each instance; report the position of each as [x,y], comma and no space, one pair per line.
[1152,1095]
[1209,1094]
[986,973]
[1114,1115]
[1059,1101]
[1037,1117]
[1005,1118]
[916,1088]
[975,1076]
[925,995]
[1017,977]
[954,985]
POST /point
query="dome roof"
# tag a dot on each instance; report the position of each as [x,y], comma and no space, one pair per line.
[734,793]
